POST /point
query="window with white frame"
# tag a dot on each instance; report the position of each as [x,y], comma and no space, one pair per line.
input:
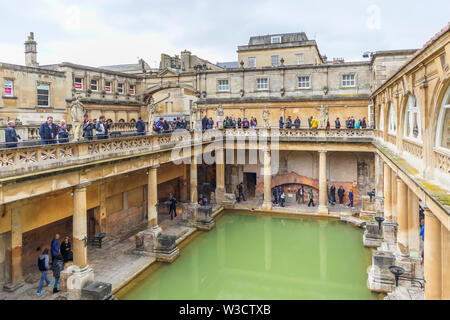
[275,39]
[392,120]
[262,83]
[94,85]
[9,88]
[443,128]
[300,58]
[43,95]
[381,127]
[120,88]
[78,83]
[275,61]
[108,86]
[348,80]
[413,123]
[252,62]
[132,89]
[223,85]
[303,82]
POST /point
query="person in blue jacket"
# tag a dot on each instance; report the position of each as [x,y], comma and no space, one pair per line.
[140,127]
[48,131]
[54,246]
[281,123]
[350,197]
[11,137]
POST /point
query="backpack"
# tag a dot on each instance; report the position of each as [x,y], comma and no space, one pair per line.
[41,264]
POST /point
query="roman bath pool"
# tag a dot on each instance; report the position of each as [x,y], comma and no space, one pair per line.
[265,257]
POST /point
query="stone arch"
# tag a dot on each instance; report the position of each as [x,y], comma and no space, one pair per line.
[392,119]
[411,102]
[164,86]
[121,121]
[133,120]
[440,112]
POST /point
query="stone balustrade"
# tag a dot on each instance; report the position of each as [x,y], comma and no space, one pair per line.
[442,160]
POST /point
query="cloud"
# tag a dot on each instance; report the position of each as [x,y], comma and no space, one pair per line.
[105,32]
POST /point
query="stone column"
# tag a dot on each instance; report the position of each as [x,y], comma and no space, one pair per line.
[152,202]
[16,275]
[394,196]
[402,216]
[193,185]
[323,197]
[184,188]
[267,204]
[413,225]
[80,226]
[220,175]
[102,210]
[387,192]
[379,183]
[445,249]
[432,257]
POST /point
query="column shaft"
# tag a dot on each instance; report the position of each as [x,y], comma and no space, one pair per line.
[413,225]
[16,244]
[220,175]
[267,205]
[79,227]
[402,216]
[152,190]
[387,192]
[432,257]
[394,196]
[445,249]
[323,197]
[193,186]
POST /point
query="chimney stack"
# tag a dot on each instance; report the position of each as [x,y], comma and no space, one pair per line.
[31,51]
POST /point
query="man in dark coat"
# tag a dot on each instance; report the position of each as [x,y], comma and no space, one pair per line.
[11,137]
[88,126]
[140,126]
[333,194]
[337,123]
[172,206]
[48,132]
[204,122]
[241,191]
[54,247]
[341,193]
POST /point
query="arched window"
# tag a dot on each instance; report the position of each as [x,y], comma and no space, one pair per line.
[381,118]
[413,123]
[121,121]
[392,119]
[443,127]
[133,120]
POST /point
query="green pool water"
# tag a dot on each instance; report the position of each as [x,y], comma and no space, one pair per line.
[265,257]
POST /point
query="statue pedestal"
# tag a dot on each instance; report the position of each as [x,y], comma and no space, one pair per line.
[73,280]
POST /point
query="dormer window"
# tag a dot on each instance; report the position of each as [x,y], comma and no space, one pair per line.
[275,39]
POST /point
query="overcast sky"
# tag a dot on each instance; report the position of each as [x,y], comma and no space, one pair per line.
[105,32]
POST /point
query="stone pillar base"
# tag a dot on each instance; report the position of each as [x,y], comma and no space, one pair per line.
[322,209]
[220,195]
[380,279]
[372,237]
[267,206]
[403,293]
[11,287]
[167,256]
[206,224]
[73,280]
[390,231]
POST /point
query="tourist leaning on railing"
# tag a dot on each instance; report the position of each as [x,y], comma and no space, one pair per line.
[140,126]
[101,128]
[11,137]
[63,134]
[88,127]
[337,123]
[48,132]
[297,123]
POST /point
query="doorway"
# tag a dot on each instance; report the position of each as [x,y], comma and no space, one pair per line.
[90,224]
[250,183]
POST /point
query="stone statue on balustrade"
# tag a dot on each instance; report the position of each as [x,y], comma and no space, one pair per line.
[220,116]
[151,111]
[193,115]
[323,118]
[266,117]
[77,112]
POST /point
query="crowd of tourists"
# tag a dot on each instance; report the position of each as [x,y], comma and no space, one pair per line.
[350,123]
[61,252]
[163,126]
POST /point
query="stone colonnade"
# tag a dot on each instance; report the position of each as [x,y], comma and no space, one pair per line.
[401,206]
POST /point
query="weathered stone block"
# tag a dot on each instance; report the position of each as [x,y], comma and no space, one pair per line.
[380,278]
[96,291]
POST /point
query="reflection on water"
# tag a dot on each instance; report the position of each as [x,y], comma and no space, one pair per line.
[263,257]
